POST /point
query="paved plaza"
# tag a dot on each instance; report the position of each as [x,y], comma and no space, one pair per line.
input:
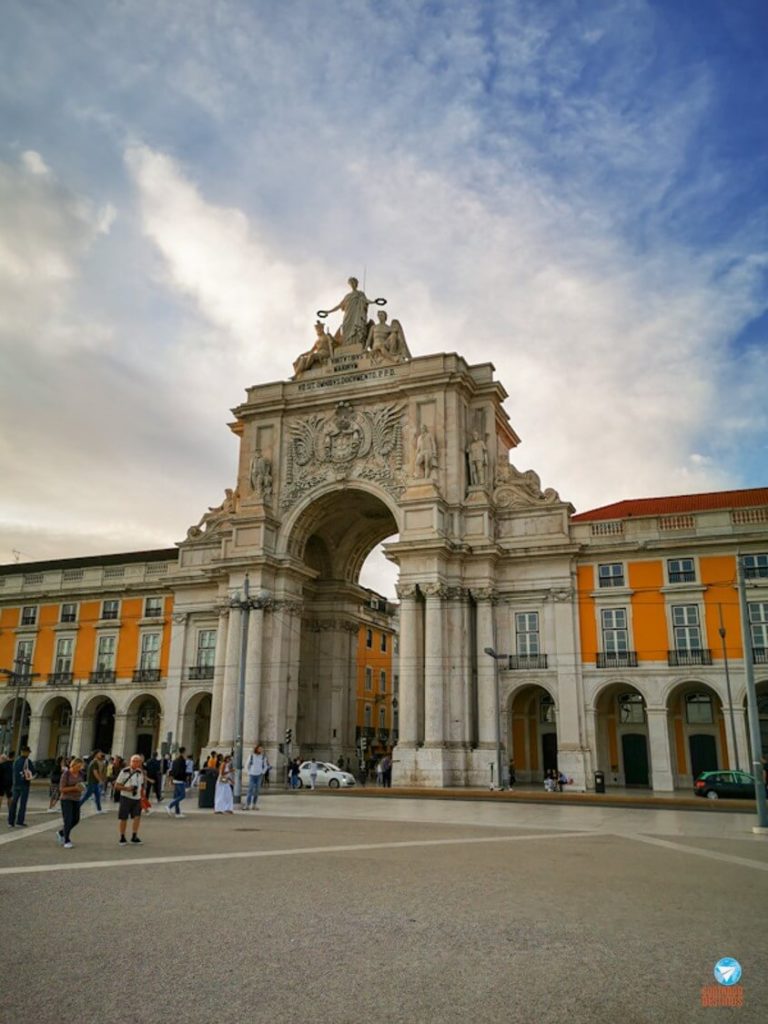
[326,909]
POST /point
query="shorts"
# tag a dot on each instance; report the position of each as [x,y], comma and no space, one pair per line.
[129,808]
[6,791]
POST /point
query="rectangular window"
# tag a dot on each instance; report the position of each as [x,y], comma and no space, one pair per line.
[368,678]
[29,615]
[64,648]
[681,570]
[105,655]
[369,638]
[382,681]
[698,709]
[110,610]
[153,607]
[23,661]
[611,575]
[685,625]
[755,567]
[615,632]
[69,613]
[150,650]
[758,625]
[206,648]
[527,632]
[368,719]
[382,717]
[383,641]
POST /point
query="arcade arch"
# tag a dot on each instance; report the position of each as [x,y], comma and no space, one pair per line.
[142,725]
[15,718]
[622,744]
[196,723]
[55,728]
[97,725]
[532,732]
[697,726]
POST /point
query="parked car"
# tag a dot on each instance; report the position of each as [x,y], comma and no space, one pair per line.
[734,784]
[327,775]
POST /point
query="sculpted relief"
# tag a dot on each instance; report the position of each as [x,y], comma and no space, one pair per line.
[378,342]
[362,444]
[520,490]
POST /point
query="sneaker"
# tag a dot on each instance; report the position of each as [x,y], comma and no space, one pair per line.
[123,841]
[135,839]
[179,815]
[170,811]
[68,846]
[51,810]
[102,811]
[60,838]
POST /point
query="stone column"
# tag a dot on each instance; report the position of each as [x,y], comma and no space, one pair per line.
[485,598]
[119,736]
[33,739]
[434,666]
[662,778]
[742,743]
[460,710]
[172,701]
[218,676]
[410,667]
[253,681]
[226,738]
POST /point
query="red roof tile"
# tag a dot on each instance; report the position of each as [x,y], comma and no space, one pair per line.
[676,504]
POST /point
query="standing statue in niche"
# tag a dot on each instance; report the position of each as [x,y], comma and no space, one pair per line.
[477,453]
[426,454]
[387,341]
[354,305]
[261,476]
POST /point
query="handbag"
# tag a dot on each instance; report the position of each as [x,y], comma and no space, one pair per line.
[26,771]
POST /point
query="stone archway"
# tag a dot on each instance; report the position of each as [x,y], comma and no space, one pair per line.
[358,446]
[532,721]
[15,716]
[196,723]
[142,725]
[95,728]
[623,745]
[55,728]
[699,740]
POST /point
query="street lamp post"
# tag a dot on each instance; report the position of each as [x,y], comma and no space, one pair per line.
[754,721]
[721,631]
[496,658]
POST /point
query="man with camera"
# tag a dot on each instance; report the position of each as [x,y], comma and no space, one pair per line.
[130,785]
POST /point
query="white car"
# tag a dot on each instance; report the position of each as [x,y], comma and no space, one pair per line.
[327,775]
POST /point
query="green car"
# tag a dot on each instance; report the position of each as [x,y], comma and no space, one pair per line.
[735,784]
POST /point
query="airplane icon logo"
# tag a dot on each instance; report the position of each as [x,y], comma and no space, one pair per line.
[727,971]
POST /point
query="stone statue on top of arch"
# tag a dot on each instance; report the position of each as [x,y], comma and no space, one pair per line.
[355,324]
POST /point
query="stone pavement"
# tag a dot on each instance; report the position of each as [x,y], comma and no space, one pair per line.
[324,909]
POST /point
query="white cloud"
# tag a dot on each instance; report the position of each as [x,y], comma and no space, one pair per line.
[34,163]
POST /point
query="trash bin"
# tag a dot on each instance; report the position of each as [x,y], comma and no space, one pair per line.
[206,789]
[599,782]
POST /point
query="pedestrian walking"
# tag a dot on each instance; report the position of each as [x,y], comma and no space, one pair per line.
[53,784]
[294,774]
[386,771]
[179,777]
[314,767]
[223,802]
[71,788]
[6,778]
[23,773]
[380,772]
[256,767]
[130,787]
[94,778]
[154,771]
[512,773]
[190,766]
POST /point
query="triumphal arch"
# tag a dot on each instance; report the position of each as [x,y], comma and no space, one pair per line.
[365,442]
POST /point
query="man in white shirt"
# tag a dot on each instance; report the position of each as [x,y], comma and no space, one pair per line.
[130,785]
[256,766]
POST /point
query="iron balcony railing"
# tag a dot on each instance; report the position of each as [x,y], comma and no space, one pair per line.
[617,659]
[703,656]
[523,661]
[60,678]
[201,672]
[146,675]
[103,676]
[760,655]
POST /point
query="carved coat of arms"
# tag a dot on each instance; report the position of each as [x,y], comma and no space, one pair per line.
[352,443]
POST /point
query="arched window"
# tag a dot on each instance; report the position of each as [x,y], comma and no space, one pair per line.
[147,714]
[698,709]
[631,709]
[546,709]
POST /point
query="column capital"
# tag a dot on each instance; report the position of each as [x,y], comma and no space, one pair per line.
[489,594]
[407,591]
[438,590]
[179,618]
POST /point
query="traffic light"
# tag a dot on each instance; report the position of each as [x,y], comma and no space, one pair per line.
[288,735]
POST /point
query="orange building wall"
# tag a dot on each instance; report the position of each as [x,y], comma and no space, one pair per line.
[718,573]
[649,621]
[374,658]
[9,620]
[128,638]
[86,639]
[587,621]
[45,645]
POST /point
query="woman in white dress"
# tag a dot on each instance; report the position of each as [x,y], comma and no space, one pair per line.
[223,802]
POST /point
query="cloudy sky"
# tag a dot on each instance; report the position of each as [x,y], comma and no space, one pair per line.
[576,191]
